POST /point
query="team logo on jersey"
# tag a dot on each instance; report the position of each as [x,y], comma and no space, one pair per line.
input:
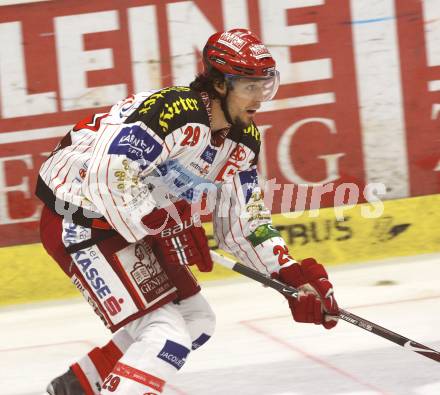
[228,171]
[126,106]
[208,155]
[239,153]
[147,278]
[136,144]
[174,353]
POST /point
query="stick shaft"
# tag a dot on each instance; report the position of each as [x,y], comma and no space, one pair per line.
[378,330]
[351,318]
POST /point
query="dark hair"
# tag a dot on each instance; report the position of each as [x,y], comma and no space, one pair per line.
[204,82]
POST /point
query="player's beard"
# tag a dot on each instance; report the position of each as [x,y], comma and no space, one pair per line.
[239,123]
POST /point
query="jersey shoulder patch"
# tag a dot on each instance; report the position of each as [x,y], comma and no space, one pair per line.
[249,136]
[169,109]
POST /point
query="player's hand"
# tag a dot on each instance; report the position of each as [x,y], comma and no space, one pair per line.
[178,237]
[316,302]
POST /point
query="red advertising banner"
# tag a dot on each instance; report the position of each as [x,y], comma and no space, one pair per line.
[347,113]
[419,33]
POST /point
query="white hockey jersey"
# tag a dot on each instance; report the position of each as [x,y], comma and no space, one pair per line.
[155,147]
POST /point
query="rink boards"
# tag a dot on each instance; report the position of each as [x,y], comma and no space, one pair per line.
[361,233]
[359,99]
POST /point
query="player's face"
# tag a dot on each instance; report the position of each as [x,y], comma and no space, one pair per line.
[244,100]
[247,93]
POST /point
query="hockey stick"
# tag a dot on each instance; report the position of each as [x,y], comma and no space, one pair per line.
[290,291]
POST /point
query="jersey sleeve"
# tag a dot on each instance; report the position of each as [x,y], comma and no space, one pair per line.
[243,224]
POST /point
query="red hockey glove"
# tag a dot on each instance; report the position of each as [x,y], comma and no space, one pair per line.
[176,239]
[316,302]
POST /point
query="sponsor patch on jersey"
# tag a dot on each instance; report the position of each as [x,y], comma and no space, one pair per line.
[149,103]
[175,109]
[239,153]
[169,109]
[252,130]
[262,233]
[145,274]
[200,341]
[248,181]
[174,353]
[101,279]
[136,144]
[208,155]
[179,181]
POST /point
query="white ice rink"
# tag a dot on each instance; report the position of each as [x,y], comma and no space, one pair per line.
[257,348]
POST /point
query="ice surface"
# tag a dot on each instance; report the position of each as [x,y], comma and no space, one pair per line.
[257,348]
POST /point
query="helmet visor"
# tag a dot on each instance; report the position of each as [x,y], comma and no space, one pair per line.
[256,88]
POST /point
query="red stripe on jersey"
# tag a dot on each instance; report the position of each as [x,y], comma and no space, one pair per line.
[60,184]
[85,385]
[232,233]
[166,145]
[106,213]
[70,168]
[174,139]
[101,364]
[139,376]
[68,157]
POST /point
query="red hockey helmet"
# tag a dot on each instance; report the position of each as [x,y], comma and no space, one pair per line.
[241,56]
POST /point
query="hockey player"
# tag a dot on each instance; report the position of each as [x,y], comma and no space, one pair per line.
[123,192]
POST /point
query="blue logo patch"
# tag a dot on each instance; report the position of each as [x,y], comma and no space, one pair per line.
[248,181]
[136,144]
[200,341]
[209,154]
[174,353]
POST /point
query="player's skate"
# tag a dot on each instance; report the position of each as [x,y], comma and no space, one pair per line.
[66,384]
